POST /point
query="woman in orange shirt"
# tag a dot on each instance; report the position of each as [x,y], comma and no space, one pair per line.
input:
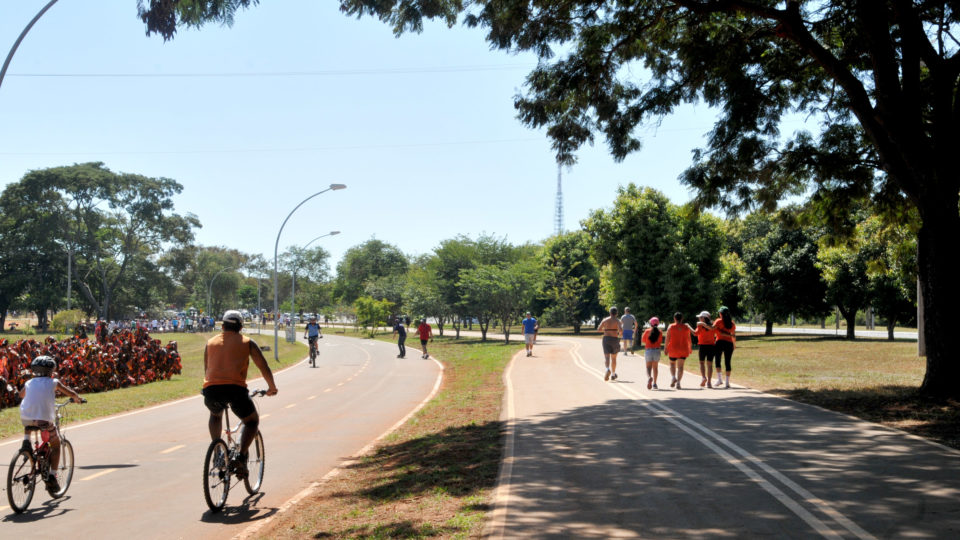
[706,340]
[726,335]
[678,346]
[652,338]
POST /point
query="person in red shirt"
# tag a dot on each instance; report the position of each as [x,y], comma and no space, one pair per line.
[726,337]
[652,339]
[706,340]
[426,334]
[678,346]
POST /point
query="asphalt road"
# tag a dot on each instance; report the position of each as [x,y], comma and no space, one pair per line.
[592,459]
[139,475]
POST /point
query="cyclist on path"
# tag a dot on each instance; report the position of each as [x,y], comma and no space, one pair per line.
[313,332]
[39,408]
[226,358]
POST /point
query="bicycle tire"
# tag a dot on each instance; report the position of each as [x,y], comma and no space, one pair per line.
[216,475]
[256,463]
[21,481]
[65,468]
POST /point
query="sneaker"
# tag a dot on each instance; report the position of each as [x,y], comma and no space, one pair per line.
[727,385]
[51,482]
[678,385]
[240,466]
[649,382]
[606,375]
[719,381]
[655,386]
[673,382]
[613,377]
[703,382]
[26,446]
[709,384]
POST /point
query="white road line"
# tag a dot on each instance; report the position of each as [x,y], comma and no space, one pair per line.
[328,390]
[98,475]
[501,497]
[262,416]
[678,419]
[173,449]
[311,397]
[290,406]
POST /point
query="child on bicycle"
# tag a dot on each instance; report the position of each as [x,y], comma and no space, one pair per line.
[39,408]
[312,332]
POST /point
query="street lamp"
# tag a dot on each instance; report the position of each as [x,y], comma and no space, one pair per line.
[276,286]
[293,274]
[210,289]
[6,63]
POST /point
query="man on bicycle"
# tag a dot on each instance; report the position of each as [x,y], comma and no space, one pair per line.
[226,358]
[313,332]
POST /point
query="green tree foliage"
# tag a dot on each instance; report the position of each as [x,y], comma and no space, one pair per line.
[422,296]
[501,292]
[892,268]
[662,258]
[572,285]
[66,321]
[365,263]
[780,271]
[371,313]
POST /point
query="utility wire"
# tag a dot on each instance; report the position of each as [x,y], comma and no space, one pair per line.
[319,73]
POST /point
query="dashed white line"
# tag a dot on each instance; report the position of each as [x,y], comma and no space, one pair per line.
[290,406]
[98,475]
[173,449]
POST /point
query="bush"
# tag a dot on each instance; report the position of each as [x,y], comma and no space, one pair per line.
[65,321]
[126,358]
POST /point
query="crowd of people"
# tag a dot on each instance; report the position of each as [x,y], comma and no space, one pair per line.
[715,339]
[185,323]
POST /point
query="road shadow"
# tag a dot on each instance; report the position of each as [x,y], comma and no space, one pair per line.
[245,512]
[47,509]
[900,406]
[626,468]
[107,466]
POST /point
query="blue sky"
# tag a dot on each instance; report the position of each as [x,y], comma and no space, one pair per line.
[420,128]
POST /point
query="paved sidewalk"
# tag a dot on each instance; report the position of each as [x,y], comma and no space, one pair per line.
[594,459]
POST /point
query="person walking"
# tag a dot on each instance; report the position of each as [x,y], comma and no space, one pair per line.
[706,344]
[652,339]
[726,338]
[530,327]
[629,325]
[400,332]
[678,345]
[610,327]
[426,334]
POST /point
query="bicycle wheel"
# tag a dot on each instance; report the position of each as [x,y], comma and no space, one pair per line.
[216,475]
[64,470]
[256,461]
[21,481]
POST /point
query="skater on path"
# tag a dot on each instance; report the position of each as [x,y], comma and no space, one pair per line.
[706,340]
[678,346]
[726,336]
[610,327]
[400,330]
[426,334]
[530,327]
[652,339]
[629,324]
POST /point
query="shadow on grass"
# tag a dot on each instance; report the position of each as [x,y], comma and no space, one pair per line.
[398,529]
[458,461]
[894,405]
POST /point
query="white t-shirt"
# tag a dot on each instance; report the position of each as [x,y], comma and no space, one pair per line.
[39,401]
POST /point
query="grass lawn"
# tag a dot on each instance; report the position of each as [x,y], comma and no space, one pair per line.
[876,380]
[432,477]
[186,384]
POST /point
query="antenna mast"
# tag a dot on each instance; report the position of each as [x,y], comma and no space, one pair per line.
[558,212]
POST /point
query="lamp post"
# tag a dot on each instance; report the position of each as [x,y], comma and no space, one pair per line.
[210,289]
[6,63]
[293,274]
[276,286]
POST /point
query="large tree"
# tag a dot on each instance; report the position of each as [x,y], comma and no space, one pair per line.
[882,74]
[572,284]
[365,263]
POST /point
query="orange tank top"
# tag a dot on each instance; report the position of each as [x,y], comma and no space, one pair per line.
[652,344]
[679,345]
[227,356]
[706,336]
[718,324]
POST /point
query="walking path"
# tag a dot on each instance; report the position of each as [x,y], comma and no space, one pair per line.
[592,459]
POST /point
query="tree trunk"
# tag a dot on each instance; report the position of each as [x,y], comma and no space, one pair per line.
[851,318]
[891,323]
[483,324]
[936,252]
[769,329]
[576,329]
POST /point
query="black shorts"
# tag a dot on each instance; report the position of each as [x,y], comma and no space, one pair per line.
[219,396]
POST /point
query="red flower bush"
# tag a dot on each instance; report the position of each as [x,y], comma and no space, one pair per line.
[127,358]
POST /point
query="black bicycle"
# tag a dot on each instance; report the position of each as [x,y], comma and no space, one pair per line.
[314,350]
[27,465]
[221,465]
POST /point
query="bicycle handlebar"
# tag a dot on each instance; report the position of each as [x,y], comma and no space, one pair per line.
[258,393]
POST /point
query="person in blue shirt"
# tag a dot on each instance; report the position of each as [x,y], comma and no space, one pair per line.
[530,327]
[312,332]
[400,332]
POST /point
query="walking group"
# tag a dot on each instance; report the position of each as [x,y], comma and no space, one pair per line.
[715,340]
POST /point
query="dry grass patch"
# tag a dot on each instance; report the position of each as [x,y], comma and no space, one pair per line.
[430,479]
[876,380]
